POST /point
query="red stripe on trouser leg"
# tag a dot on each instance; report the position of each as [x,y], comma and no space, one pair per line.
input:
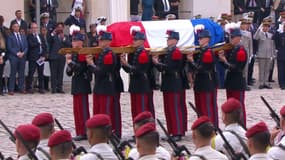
[239,95]
[96,104]
[206,105]
[81,112]
[173,114]
[184,110]
[140,103]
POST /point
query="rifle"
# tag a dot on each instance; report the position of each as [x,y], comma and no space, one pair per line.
[31,153]
[229,148]
[12,137]
[177,149]
[273,114]
[194,108]
[115,144]
[76,151]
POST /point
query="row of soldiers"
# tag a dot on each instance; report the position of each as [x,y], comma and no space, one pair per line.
[40,140]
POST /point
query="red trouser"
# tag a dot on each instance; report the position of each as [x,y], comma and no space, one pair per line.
[173,113]
[141,102]
[206,104]
[109,104]
[81,112]
[239,95]
[184,109]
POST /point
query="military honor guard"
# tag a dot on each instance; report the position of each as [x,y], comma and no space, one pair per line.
[202,70]
[140,120]
[80,85]
[106,91]
[265,53]
[170,66]
[202,132]
[99,129]
[45,122]
[138,66]
[279,39]
[233,132]
[147,139]
[60,144]
[258,141]
[30,135]
[277,151]
[235,61]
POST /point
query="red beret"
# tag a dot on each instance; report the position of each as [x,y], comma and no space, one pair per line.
[28,132]
[200,121]
[230,105]
[142,116]
[42,119]
[144,129]
[282,111]
[258,128]
[59,137]
[98,120]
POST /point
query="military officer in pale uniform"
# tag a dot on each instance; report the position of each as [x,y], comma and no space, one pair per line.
[233,132]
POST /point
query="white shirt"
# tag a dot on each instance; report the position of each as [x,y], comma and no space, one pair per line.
[44,146]
[209,153]
[232,139]
[161,153]
[276,152]
[24,157]
[105,151]
[259,156]
[149,157]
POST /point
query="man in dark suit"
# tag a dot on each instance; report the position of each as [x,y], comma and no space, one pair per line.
[266,6]
[22,23]
[17,48]
[76,19]
[49,6]
[57,40]
[239,8]
[36,57]
[162,8]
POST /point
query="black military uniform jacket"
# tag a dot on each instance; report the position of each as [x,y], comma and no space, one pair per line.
[81,76]
[119,86]
[203,69]
[105,69]
[170,67]
[237,59]
[138,68]
[279,39]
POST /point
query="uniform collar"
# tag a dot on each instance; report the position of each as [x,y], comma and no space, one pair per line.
[43,142]
[205,148]
[24,157]
[232,126]
[100,146]
[258,156]
[153,156]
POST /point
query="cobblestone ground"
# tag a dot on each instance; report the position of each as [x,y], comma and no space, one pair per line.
[20,109]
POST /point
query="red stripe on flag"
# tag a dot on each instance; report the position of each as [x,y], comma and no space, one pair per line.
[121,33]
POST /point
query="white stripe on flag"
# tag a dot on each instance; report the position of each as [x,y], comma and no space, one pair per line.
[156,32]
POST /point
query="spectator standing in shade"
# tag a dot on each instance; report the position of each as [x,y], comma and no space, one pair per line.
[32,9]
[2,61]
[239,9]
[44,34]
[134,9]
[47,22]
[147,6]
[50,7]
[174,7]
[162,8]
[78,4]
[17,48]
[76,19]
[266,8]
[254,6]
[92,36]
[22,23]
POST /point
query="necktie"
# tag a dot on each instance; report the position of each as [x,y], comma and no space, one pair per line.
[252,3]
[266,35]
[40,42]
[166,5]
[19,41]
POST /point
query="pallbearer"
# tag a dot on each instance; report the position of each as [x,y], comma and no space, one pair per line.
[80,85]
[138,66]
[105,89]
[203,76]
[170,66]
[235,61]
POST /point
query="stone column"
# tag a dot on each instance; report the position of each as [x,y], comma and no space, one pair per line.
[118,10]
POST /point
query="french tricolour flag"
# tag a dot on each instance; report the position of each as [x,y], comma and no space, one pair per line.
[155,32]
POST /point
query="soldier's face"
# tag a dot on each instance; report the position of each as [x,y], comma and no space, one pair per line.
[265,28]
[137,43]
[77,44]
[204,41]
[235,40]
[171,42]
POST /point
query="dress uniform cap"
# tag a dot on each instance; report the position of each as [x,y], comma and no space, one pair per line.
[172,34]
[142,116]
[201,31]
[230,105]
[28,132]
[59,137]
[103,34]
[145,129]
[200,121]
[74,31]
[136,33]
[43,119]
[44,15]
[170,17]
[282,111]
[98,120]
[258,128]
